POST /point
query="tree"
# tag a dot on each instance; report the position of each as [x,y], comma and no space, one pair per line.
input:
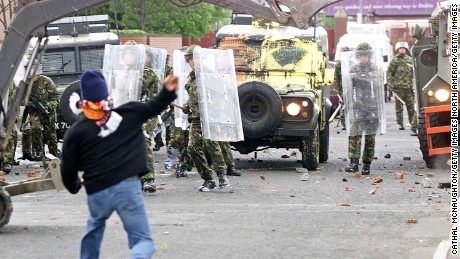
[162,17]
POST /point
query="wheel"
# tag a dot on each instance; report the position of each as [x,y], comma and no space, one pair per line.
[310,151]
[324,144]
[6,207]
[261,109]
[64,109]
[438,140]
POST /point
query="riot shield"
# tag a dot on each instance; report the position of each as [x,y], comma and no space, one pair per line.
[182,70]
[218,94]
[123,69]
[156,60]
[362,78]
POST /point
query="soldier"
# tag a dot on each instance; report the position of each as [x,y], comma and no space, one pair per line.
[149,89]
[8,157]
[41,111]
[228,157]
[338,84]
[177,147]
[399,75]
[364,117]
[198,146]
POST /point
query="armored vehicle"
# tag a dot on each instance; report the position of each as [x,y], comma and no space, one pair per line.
[283,87]
[432,88]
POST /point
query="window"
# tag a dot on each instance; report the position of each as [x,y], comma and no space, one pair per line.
[91,58]
[59,62]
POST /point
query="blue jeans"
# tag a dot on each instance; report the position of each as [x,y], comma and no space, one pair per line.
[126,199]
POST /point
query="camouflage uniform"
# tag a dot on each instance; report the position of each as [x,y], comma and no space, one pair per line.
[33,139]
[149,89]
[8,157]
[338,87]
[198,146]
[399,77]
[370,125]
[178,139]
[227,153]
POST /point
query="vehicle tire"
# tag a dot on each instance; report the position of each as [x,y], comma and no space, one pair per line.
[261,109]
[64,109]
[6,207]
[310,151]
[324,144]
[438,140]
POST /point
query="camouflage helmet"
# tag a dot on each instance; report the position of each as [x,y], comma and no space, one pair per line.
[401,44]
[345,49]
[189,52]
[363,46]
[130,42]
[364,49]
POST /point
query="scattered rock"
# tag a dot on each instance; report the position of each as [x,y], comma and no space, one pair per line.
[162,172]
[447,185]
[348,189]
[427,183]
[232,190]
[418,174]
[292,195]
[160,188]
[340,170]
[417,182]
[16,173]
[406,158]
[400,164]
[399,176]
[33,173]
[305,177]
[410,190]
[378,180]
[262,177]
[358,175]
[391,171]
[293,154]
[387,156]
[301,170]
[373,191]
[344,180]
[345,204]
[430,175]
[344,159]
[285,156]
[411,221]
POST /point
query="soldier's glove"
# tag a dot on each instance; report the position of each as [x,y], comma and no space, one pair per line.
[186,109]
[74,103]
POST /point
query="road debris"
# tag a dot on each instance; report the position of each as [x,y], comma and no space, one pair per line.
[349,189]
[447,185]
[373,191]
[410,190]
[399,176]
[262,177]
[294,154]
[345,204]
[411,221]
[301,170]
[285,156]
[391,171]
[406,158]
[378,180]
[419,174]
[387,156]
[305,177]
[427,183]
[232,190]
[33,173]
[358,175]
[344,180]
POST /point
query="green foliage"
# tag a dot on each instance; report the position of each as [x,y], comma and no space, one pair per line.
[129,32]
[162,17]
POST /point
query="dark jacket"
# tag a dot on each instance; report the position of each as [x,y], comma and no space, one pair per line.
[109,160]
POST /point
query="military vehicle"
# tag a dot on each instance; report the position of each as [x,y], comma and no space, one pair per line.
[31,19]
[432,88]
[75,44]
[283,88]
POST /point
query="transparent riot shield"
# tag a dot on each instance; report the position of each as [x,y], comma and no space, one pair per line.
[156,60]
[362,77]
[218,95]
[123,68]
[182,70]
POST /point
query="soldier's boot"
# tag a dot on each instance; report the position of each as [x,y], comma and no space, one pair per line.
[158,146]
[401,127]
[207,186]
[6,168]
[180,172]
[366,169]
[413,133]
[149,186]
[232,171]
[223,181]
[353,166]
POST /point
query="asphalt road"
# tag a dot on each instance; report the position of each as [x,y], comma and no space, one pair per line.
[279,217]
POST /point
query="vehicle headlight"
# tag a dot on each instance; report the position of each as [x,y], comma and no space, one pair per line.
[442,95]
[293,109]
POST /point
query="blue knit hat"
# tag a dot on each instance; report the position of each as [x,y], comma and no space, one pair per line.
[93,86]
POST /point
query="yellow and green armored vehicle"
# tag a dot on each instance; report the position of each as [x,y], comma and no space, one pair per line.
[283,87]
